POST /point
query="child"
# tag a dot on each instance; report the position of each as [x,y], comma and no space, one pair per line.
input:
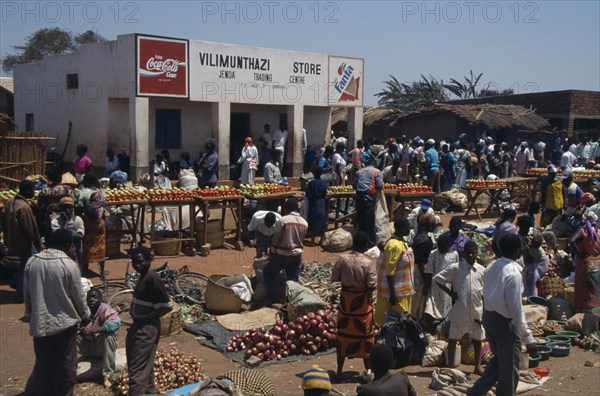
[438,303]
[466,280]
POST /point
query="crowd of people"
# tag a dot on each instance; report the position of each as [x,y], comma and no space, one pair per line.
[433,274]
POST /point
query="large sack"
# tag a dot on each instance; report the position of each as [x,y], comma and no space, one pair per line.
[559,308]
[575,323]
[188,180]
[457,198]
[338,240]
[434,352]
[440,202]
[535,314]
[302,300]
[590,324]
[382,229]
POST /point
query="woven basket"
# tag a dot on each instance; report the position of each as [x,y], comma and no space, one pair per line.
[163,248]
[170,324]
[222,298]
[550,286]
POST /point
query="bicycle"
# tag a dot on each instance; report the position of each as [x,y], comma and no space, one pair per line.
[181,285]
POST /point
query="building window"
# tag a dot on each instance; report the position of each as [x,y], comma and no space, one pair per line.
[72,81]
[29,126]
[168,129]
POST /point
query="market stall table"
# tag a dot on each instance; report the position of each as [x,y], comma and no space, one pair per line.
[233,202]
[137,210]
[340,216]
[522,186]
[404,199]
[190,204]
[265,202]
[475,192]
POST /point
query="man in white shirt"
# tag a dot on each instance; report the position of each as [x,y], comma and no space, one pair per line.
[279,141]
[567,160]
[424,208]
[504,321]
[263,225]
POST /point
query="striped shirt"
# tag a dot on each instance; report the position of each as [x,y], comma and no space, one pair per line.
[149,296]
[396,260]
[289,237]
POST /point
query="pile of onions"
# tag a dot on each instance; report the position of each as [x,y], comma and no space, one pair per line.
[307,335]
[172,370]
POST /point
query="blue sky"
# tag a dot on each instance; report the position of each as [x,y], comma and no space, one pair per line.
[525,45]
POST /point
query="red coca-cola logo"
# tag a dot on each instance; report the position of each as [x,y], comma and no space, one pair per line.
[162,67]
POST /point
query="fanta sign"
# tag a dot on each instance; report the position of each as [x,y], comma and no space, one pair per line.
[162,67]
[345,76]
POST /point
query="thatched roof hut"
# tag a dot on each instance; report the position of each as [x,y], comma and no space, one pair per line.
[376,120]
[492,117]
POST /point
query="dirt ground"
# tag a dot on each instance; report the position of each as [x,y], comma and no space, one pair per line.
[568,375]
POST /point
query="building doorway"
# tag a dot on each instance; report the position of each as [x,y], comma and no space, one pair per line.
[240,129]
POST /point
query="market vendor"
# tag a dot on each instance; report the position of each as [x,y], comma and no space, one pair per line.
[98,339]
[288,248]
[209,165]
[553,196]
[504,225]
[49,195]
[82,164]
[356,326]
[263,225]
[68,220]
[424,208]
[457,238]
[272,173]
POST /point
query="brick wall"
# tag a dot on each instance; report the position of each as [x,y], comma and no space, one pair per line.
[546,103]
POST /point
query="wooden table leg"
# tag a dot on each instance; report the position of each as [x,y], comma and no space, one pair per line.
[153,222]
[239,220]
[473,199]
[206,209]
[134,223]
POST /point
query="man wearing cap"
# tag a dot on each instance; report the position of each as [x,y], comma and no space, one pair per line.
[424,208]
[553,196]
[67,220]
[368,181]
[316,382]
[432,166]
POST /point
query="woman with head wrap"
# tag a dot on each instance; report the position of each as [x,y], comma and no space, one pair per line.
[587,243]
[535,262]
[504,225]
[356,326]
[249,161]
[316,192]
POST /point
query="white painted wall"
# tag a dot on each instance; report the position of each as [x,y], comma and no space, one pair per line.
[106,70]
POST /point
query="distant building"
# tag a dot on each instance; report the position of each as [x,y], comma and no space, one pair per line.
[151,93]
[572,110]
[7,96]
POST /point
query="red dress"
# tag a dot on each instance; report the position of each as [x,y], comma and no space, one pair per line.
[588,252]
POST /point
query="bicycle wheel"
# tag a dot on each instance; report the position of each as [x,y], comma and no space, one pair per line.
[109,289]
[192,285]
[121,302]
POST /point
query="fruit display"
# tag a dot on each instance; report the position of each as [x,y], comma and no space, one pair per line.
[586,174]
[408,188]
[538,172]
[172,370]
[169,195]
[6,195]
[536,330]
[485,184]
[217,192]
[128,194]
[552,326]
[340,190]
[261,190]
[307,335]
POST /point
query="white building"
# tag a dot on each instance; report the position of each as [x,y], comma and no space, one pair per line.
[149,93]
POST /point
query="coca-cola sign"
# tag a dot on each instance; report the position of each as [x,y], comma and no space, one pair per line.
[162,67]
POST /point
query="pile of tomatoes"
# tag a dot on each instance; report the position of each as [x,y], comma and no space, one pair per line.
[408,188]
[485,184]
[169,195]
[124,194]
[217,192]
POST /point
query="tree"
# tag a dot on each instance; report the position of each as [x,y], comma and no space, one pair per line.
[410,96]
[48,42]
[487,91]
[466,90]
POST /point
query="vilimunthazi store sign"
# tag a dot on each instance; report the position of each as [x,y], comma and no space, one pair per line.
[215,72]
